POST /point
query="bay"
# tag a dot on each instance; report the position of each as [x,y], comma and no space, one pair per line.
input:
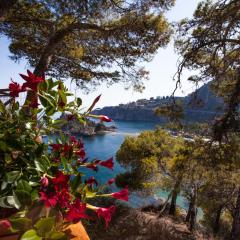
[105,146]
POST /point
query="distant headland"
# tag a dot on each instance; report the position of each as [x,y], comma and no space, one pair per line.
[208,107]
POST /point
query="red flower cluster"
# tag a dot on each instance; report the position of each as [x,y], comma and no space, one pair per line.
[31,83]
[15,89]
[76,211]
[55,191]
[75,146]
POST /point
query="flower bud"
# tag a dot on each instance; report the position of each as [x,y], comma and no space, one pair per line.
[44,181]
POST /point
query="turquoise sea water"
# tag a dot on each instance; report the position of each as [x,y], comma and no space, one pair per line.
[105,146]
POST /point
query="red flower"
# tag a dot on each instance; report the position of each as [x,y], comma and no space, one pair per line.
[5,224]
[108,163]
[73,139]
[67,148]
[80,153]
[34,103]
[105,118]
[44,181]
[63,198]
[111,181]
[32,81]
[91,181]
[49,199]
[14,89]
[56,147]
[79,144]
[106,213]
[122,195]
[76,211]
[60,181]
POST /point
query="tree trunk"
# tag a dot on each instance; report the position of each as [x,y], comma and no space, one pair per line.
[175,192]
[235,233]
[190,207]
[192,212]
[172,209]
[5,6]
[193,218]
[217,220]
[45,59]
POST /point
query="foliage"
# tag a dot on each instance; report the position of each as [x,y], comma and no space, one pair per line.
[147,157]
[209,44]
[204,173]
[41,181]
[88,41]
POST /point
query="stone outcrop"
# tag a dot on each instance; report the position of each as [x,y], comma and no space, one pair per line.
[91,128]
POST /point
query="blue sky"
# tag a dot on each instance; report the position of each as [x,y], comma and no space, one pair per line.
[161,69]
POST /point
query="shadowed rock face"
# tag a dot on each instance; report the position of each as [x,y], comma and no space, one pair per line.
[198,107]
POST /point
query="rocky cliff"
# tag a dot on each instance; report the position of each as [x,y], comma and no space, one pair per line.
[199,106]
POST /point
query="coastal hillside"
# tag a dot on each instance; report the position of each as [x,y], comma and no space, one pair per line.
[199,106]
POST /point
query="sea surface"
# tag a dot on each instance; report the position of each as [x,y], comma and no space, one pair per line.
[105,146]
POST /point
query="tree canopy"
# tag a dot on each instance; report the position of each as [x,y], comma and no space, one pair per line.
[209,43]
[89,41]
[206,175]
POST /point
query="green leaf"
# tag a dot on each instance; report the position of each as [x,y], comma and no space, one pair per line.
[56,235]
[42,164]
[22,198]
[7,158]
[89,193]
[4,185]
[2,107]
[21,224]
[64,163]
[79,102]
[47,101]
[76,182]
[24,185]
[50,110]
[13,201]
[59,122]
[44,225]
[15,106]
[44,86]
[30,235]
[3,146]
[12,176]
[4,202]
[34,195]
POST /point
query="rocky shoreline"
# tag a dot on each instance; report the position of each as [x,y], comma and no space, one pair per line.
[91,128]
